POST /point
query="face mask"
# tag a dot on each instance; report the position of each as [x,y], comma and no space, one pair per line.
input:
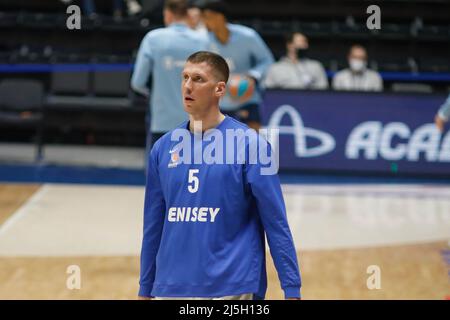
[302,52]
[357,65]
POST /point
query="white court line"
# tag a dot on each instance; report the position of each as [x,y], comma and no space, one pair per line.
[23,210]
[419,191]
[92,220]
[74,220]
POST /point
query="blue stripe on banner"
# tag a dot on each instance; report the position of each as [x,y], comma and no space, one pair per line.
[70,174]
[408,76]
[77,67]
[117,176]
[423,76]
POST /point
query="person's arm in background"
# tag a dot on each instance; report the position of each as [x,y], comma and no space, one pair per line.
[266,190]
[320,77]
[443,115]
[262,55]
[154,209]
[142,68]
[378,83]
[336,82]
[270,80]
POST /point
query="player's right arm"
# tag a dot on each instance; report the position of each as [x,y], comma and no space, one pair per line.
[154,209]
[142,68]
[443,115]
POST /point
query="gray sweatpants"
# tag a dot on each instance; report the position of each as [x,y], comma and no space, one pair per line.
[246,296]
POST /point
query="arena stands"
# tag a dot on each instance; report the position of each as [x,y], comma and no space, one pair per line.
[86,70]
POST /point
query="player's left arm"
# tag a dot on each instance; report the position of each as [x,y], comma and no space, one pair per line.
[262,56]
[266,190]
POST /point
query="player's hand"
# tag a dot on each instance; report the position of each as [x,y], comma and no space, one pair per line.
[251,79]
[440,123]
[145,298]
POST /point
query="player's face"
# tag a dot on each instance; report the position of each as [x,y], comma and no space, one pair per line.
[199,87]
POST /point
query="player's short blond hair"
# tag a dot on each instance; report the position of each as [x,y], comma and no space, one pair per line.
[215,61]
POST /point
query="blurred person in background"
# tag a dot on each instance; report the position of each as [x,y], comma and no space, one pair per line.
[161,57]
[246,54]
[357,77]
[195,19]
[443,115]
[296,70]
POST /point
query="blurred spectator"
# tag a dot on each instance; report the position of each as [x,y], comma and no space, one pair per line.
[358,77]
[296,70]
[195,20]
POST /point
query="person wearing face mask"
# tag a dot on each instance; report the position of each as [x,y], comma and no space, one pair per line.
[296,70]
[357,77]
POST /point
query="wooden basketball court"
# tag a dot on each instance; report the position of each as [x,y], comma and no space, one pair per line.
[402,230]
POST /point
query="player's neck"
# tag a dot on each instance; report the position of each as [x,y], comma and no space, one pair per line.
[208,121]
[223,34]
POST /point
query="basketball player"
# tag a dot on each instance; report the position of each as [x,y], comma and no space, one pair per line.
[443,115]
[245,52]
[161,55]
[204,224]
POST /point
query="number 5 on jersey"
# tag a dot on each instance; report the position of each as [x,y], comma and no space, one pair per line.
[193,181]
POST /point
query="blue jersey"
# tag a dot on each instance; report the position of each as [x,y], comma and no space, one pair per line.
[162,54]
[204,226]
[246,53]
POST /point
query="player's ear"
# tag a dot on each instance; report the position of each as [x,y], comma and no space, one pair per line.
[220,89]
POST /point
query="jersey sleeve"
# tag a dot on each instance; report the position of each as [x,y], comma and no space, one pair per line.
[262,56]
[154,212]
[266,190]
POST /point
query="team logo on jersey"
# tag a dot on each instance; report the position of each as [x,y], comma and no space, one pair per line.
[174,158]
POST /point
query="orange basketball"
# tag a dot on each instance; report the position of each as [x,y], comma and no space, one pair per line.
[240,87]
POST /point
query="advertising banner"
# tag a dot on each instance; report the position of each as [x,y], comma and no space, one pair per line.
[364,132]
